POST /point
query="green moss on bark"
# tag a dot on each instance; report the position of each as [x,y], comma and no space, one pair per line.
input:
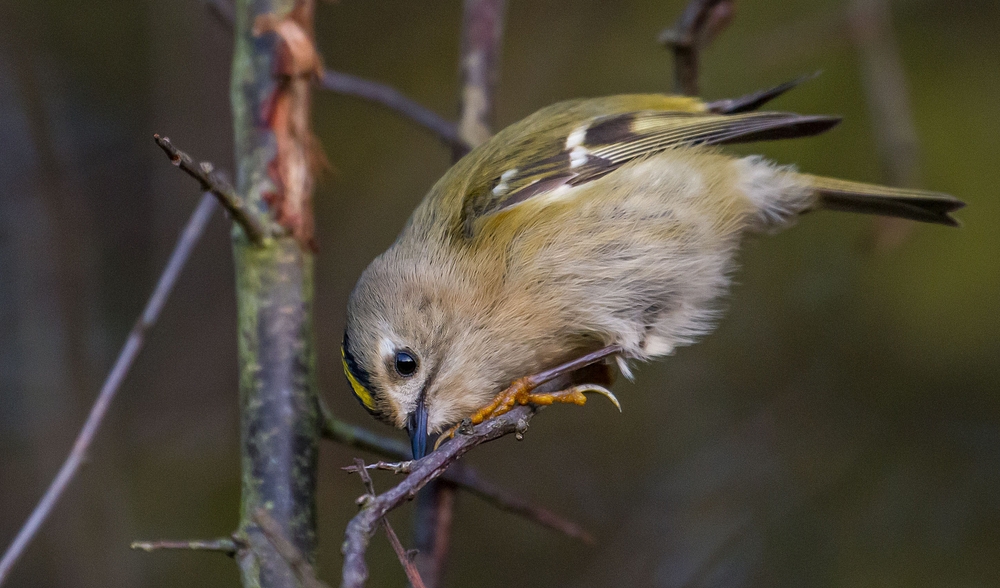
[274,284]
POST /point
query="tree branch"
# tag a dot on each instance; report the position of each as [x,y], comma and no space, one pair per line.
[213,182]
[274,64]
[700,22]
[370,90]
[461,475]
[225,545]
[133,345]
[404,557]
[479,67]
[479,71]
[300,566]
[467,478]
[357,437]
[393,99]
[869,26]
[362,526]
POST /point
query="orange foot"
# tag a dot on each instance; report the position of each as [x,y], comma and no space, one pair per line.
[521,392]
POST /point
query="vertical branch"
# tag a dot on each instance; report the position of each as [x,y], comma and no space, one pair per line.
[870,31]
[479,70]
[273,68]
[700,22]
[434,511]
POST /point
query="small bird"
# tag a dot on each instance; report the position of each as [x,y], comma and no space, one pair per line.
[592,229]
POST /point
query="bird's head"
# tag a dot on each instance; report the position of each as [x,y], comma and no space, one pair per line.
[413,351]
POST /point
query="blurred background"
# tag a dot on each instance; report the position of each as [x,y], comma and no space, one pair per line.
[841,428]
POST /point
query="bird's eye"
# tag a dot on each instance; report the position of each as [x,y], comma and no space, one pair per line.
[406,364]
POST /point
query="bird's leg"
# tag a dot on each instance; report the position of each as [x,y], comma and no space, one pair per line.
[522,391]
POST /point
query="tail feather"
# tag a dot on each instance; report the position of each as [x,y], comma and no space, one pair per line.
[918,205]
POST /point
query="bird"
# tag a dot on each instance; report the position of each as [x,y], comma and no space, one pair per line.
[595,232]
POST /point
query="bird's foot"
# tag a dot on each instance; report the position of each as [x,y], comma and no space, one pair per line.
[520,393]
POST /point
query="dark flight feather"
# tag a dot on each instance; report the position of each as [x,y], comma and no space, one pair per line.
[604,144]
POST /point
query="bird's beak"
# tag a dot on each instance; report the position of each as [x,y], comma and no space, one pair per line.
[416,426]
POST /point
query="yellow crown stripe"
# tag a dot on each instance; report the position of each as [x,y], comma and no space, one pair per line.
[360,391]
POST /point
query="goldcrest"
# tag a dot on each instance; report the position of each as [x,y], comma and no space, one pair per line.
[607,223]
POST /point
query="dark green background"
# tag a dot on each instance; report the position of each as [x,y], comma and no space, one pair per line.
[841,428]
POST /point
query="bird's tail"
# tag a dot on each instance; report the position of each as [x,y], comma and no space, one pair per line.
[918,205]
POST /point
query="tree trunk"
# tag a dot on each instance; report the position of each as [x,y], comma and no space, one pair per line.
[274,282]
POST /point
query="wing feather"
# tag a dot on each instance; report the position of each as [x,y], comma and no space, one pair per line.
[586,149]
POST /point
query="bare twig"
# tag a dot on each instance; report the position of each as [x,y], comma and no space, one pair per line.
[397,467]
[432,519]
[412,574]
[700,22]
[479,71]
[224,545]
[212,181]
[446,500]
[357,437]
[136,338]
[361,469]
[468,479]
[386,95]
[404,557]
[482,34]
[370,90]
[300,566]
[362,526]
[870,31]
[461,475]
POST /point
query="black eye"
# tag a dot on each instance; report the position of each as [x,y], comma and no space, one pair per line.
[406,364]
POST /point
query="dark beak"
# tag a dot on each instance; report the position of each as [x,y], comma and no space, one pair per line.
[416,426]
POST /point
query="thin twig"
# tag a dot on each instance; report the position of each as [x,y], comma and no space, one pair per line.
[479,67]
[462,475]
[212,181]
[300,566]
[357,437]
[404,557]
[479,72]
[468,479]
[136,338]
[361,469]
[370,90]
[362,526]
[887,95]
[386,95]
[224,545]
[700,22]
[396,467]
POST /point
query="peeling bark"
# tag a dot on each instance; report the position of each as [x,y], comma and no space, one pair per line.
[273,66]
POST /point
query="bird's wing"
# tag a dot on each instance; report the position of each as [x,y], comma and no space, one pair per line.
[755,100]
[600,145]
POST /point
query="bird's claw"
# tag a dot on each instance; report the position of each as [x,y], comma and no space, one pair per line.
[585,388]
[519,394]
